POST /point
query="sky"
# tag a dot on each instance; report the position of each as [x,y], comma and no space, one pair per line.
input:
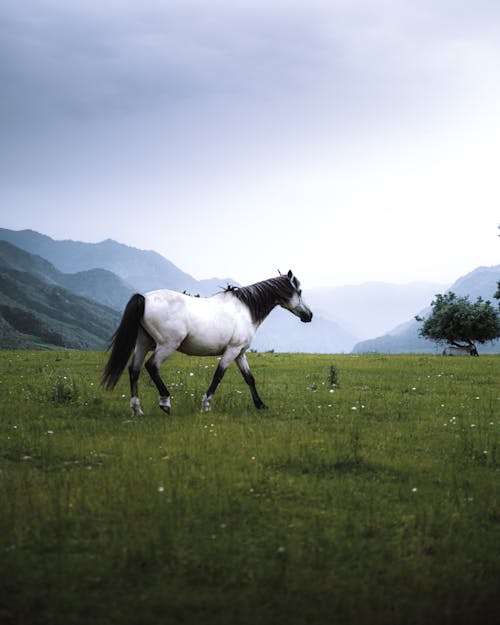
[348,140]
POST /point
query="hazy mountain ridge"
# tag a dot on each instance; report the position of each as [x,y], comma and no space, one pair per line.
[141,269]
[341,314]
[99,285]
[35,313]
[281,332]
[372,308]
[481,282]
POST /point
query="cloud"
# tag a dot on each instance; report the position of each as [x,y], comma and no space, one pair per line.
[256,111]
[86,60]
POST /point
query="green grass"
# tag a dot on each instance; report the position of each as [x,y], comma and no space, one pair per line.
[373,501]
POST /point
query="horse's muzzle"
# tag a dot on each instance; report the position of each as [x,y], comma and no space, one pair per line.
[306,316]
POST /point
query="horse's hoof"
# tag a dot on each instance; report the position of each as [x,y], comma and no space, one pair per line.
[262,407]
[165,404]
[205,404]
[135,407]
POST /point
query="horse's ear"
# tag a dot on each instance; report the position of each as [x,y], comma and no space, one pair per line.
[290,274]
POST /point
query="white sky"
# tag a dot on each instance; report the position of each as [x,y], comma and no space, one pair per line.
[349,140]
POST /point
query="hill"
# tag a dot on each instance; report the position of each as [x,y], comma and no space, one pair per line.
[98,284]
[371,308]
[36,311]
[109,272]
[140,269]
[482,282]
[283,332]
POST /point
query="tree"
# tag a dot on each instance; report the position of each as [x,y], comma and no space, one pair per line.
[460,322]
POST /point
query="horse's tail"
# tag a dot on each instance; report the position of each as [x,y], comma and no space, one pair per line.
[123,341]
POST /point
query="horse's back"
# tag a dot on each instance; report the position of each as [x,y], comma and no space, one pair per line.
[196,325]
[165,315]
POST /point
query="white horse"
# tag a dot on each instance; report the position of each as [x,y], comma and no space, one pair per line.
[222,325]
[460,350]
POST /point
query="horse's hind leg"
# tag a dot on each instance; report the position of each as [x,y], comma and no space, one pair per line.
[143,345]
[153,366]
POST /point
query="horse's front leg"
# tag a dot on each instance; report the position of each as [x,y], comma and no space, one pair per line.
[244,367]
[227,358]
[218,375]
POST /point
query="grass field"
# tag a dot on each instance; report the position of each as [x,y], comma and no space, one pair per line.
[373,501]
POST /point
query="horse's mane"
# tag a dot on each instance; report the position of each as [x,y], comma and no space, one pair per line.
[262,297]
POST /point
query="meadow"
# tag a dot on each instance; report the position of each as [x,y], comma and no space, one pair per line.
[367,493]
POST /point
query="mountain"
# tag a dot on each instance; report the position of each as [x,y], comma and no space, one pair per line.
[38,313]
[109,272]
[97,284]
[372,308]
[482,282]
[142,270]
[284,332]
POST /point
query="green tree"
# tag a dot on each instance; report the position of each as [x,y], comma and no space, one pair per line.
[460,322]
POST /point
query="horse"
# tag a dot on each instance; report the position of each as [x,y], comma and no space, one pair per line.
[460,350]
[221,325]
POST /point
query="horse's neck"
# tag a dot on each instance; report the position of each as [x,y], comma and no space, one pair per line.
[259,300]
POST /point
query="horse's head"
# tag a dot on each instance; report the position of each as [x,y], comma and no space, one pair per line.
[295,304]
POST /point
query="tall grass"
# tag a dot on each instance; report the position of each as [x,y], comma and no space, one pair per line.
[372,499]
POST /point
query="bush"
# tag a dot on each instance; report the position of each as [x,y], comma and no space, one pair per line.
[65,391]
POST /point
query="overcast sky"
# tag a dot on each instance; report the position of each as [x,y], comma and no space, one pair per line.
[349,140]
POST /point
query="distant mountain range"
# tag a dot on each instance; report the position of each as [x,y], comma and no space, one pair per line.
[101,277]
[97,284]
[140,270]
[70,293]
[38,308]
[372,308]
[482,282]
